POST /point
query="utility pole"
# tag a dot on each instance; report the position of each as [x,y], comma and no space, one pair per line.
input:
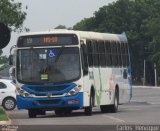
[155,74]
[144,73]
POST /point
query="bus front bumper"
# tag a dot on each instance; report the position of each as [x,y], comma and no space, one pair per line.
[74,102]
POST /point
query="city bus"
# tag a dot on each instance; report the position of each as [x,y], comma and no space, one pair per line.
[66,70]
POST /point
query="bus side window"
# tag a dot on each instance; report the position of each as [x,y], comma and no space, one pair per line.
[95,54]
[111,45]
[127,56]
[84,55]
[119,54]
[113,52]
[102,58]
[108,53]
[123,54]
[90,53]
[116,54]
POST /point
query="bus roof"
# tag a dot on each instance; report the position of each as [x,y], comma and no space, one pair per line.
[83,34]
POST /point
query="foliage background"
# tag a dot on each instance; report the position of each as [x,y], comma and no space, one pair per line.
[140,20]
[11,14]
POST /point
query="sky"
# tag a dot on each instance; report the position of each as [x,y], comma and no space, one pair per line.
[43,15]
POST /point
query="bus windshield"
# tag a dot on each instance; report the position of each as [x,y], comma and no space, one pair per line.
[51,65]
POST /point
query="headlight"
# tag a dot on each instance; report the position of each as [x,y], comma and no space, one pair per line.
[22,92]
[74,91]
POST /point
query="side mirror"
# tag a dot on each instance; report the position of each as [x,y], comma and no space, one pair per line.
[10,59]
[4,35]
[125,74]
[12,73]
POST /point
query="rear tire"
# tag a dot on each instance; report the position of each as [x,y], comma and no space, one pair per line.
[105,108]
[114,107]
[111,108]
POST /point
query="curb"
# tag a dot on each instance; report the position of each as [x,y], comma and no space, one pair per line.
[8,122]
[5,122]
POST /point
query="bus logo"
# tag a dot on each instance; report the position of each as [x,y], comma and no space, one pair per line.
[49,94]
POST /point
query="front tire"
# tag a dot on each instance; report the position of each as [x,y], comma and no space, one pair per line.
[67,111]
[32,113]
[9,103]
[88,110]
[59,112]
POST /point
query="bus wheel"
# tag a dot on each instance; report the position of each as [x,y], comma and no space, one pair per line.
[88,110]
[67,111]
[59,112]
[32,113]
[105,108]
[114,107]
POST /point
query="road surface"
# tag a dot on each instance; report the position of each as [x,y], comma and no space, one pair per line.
[143,109]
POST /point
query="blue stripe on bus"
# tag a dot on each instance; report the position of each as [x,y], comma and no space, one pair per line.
[51,103]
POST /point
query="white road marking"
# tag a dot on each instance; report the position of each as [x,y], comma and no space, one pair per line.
[114,118]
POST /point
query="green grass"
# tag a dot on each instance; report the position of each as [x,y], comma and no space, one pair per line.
[3,115]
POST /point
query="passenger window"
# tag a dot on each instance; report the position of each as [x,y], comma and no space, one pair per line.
[84,59]
[119,54]
[90,53]
[2,85]
[95,54]
[114,53]
[123,54]
[102,58]
[108,53]
[126,54]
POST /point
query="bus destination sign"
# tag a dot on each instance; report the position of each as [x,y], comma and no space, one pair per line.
[47,40]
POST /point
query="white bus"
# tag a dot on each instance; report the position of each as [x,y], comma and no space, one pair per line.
[65,70]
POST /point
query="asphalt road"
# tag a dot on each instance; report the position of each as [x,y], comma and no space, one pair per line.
[143,109]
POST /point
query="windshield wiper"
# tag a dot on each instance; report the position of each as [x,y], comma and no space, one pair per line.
[59,54]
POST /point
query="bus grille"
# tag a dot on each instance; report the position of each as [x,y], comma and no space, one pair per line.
[44,102]
[44,90]
[47,94]
[47,88]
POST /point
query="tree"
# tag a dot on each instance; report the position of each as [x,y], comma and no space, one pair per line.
[140,19]
[62,27]
[3,59]
[85,24]
[11,14]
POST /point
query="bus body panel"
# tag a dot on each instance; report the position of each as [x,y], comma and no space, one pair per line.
[86,91]
[75,102]
[103,80]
